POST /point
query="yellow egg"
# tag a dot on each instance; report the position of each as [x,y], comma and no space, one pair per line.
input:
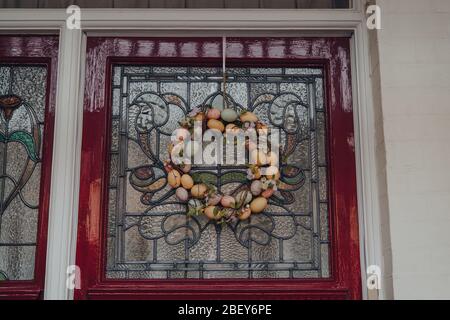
[174,178]
[187,182]
[245,213]
[216,124]
[213,213]
[199,190]
[258,205]
[248,117]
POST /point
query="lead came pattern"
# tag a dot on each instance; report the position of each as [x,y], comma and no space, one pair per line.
[149,234]
[22,109]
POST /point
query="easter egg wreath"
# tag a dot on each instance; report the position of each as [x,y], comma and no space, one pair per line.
[202,197]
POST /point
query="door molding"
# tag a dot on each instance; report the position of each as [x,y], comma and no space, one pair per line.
[330,54]
[164,22]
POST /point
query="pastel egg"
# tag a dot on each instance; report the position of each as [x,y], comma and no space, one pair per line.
[213,213]
[256,187]
[174,178]
[248,117]
[229,115]
[267,193]
[182,194]
[227,201]
[187,182]
[258,204]
[243,197]
[245,213]
[213,114]
[216,124]
[214,199]
[199,190]
[186,168]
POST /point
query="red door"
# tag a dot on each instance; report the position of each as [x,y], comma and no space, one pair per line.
[135,239]
[28,67]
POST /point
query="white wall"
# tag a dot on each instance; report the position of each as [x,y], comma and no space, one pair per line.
[414,50]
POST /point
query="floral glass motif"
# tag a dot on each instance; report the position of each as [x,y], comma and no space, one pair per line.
[149,233]
[22,108]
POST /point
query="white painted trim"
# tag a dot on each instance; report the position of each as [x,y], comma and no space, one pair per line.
[65,169]
[179,19]
[365,146]
[167,22]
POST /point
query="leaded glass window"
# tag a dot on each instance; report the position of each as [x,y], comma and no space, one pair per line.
[149,234]
[22,112]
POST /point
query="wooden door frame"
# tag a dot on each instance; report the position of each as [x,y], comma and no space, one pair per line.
[42,51]
[67,145]
[331,54]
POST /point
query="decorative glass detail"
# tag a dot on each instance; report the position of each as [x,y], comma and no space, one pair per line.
[22,107]
[149,234]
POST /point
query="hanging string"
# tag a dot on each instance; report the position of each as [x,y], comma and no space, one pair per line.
[224,72]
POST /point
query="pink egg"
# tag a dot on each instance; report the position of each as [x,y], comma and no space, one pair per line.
[213,114]
[182,194]
[267,193]
[227,201]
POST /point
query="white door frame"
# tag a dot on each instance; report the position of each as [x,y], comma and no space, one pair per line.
[165,22]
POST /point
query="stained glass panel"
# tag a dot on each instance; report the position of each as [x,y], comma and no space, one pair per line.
[150,235]
[22,110]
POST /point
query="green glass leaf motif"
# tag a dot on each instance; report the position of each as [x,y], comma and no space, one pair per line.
[204,177]
[234,177]
[27,140]
[292,175]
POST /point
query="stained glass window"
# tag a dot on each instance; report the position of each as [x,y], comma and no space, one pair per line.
[149,234]
[22,109]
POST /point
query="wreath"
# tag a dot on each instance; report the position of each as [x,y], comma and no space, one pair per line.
[202,197]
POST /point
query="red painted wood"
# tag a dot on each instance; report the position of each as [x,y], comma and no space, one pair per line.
[333,54]
[35,50]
